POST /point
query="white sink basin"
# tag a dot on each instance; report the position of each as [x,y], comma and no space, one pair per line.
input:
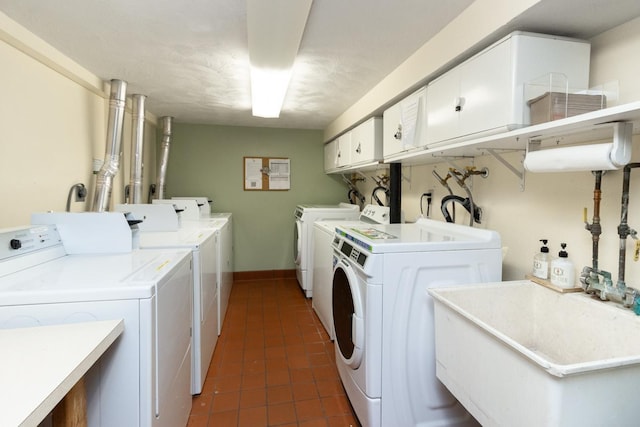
[519,354]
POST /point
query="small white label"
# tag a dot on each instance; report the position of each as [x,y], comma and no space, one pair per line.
[541,269]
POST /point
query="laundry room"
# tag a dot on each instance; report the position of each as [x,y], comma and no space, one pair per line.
[500,197]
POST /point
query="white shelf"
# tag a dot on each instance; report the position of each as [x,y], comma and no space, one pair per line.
[588,127]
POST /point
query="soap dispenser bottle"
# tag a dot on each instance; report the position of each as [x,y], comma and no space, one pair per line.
[562,270]
[542,261]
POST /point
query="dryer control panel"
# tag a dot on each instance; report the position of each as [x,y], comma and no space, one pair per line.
[20,241]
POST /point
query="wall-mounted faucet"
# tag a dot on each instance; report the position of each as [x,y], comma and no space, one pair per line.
[599,282]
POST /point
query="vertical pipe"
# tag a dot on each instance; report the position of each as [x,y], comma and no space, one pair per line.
[623,228]
[395,191]
[137,149]
[595,227]
[164,160]
[109,169]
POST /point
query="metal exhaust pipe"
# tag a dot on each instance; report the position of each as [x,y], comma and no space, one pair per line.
[167,122]
[137,149]
[109,169]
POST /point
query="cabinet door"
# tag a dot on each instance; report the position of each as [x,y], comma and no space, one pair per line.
[485,90]
[443,109]
[405,124]
[330,155]
[366,142]
[391,128]
[343,155]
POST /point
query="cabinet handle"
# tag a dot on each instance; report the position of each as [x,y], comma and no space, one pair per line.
[358,150]
[459,103]
[398,134]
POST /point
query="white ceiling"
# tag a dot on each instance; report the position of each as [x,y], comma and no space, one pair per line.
[190,57]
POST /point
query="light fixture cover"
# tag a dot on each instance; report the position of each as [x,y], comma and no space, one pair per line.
[274,29]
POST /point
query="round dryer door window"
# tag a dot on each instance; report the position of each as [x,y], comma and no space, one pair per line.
[348,320]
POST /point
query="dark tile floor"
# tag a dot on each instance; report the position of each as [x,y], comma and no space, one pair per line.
[274,364]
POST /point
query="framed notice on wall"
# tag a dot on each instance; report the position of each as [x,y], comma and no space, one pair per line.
[267,173]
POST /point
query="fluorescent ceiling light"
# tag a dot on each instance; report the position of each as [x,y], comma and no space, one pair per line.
[274,29]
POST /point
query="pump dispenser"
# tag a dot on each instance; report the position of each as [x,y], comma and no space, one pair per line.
[563,272]
[542,261]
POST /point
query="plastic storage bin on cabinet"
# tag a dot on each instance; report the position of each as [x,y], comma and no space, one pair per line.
[485,94]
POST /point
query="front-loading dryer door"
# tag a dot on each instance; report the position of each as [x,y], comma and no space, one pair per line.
[348,313]
[297,244]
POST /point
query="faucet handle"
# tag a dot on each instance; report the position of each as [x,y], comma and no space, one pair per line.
[631,297]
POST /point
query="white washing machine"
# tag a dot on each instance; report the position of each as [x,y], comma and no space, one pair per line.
[384,336]
[304,217]
[323,232]
[144,378]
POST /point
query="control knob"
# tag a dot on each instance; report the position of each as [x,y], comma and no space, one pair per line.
[15,244]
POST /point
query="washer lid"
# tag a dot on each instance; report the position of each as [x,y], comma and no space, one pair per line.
[74,278]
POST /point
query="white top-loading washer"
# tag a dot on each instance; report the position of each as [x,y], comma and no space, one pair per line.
[304,217]
[383,316]
[144,379]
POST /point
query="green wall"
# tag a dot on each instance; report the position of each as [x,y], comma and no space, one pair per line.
[208,161]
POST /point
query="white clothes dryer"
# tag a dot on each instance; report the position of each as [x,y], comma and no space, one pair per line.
[203,244]
[163,217]
[304,217]
[323,232]
[383,335]
[222,222]
[144,378]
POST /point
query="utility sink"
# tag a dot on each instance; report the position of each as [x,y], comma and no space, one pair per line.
[519,354]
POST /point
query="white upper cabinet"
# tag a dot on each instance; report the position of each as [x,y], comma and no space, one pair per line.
[343,153]
[486,94]
[360,147]
[405,124]
[330,155]
[366,142]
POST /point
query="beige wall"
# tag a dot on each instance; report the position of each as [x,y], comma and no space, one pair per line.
[53,117]
[551,205]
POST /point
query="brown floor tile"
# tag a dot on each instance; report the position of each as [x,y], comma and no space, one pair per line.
[198,420]
[278,377]
[201,404]
[223,402]
[228,418]
[227,384]
[252,417]
[253,381]
[336,405]
[304,375]
[281,414]
[279,394]
[274,364]
[318,422]
[253,398]
[304,391]
[309,409]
